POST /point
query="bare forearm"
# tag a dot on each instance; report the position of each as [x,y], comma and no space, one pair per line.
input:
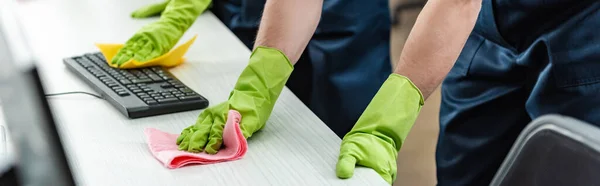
[436,40]
[288,25]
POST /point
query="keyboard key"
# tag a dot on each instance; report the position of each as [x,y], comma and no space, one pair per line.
[155,78]
[151,102]
[159,97]
[84,62]
[158,70]
[147,99]
[99,55]
[154,95]
[125,82]
[165,93]
[174,82]
[167,100]
[185,90]
[190,94]
[169,96]
[148,90]
[179,86]
[179,95]
[112,84]
[95,59]
[123,93]
[141,80]
[141,84]
[136,91]
[141,94]
[186,98]
[166,85]
[144,96]
[166,77]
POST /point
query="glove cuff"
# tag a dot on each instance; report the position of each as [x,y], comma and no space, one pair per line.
[404,78]
[259,86]
[392,112]
[274,55]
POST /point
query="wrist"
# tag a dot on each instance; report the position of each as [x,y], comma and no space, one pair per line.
[412,84]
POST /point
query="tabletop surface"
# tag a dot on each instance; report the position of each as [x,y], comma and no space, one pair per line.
[106,148]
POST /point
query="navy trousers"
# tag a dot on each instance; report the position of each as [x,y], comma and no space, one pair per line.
[524,59]
[345,62]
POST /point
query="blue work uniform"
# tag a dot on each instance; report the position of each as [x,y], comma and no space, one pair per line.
[345,62]
[523,59]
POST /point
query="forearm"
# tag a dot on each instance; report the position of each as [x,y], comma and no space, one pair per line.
[436,40]
[288,25]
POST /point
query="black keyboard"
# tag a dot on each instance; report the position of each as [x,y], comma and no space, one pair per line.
[136,92]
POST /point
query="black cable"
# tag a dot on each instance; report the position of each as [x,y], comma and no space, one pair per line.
[76,92]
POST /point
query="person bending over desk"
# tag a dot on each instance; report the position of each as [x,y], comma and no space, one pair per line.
[286,29]
[502,63]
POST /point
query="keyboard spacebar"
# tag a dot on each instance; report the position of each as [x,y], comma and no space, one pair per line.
[168,100]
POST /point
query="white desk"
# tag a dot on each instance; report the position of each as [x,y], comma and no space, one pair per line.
[105,148]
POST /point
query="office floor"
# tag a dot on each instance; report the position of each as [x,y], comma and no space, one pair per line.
[416,163]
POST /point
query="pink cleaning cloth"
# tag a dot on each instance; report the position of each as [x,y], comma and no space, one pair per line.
[164,148]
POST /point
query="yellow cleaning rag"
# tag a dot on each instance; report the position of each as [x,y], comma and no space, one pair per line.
[170,59]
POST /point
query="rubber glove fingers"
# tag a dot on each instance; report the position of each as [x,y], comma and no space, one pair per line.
[150,10]
[139,48]
[370,151]
[184,133]
[198,139]
[127,52]
[216,136]
[347,163]
[145,51]
[195,137]
[207,134]
[345,166]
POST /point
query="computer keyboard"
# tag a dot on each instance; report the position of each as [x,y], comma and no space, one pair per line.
[136,92]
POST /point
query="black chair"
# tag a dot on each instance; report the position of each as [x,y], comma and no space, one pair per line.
[553,150]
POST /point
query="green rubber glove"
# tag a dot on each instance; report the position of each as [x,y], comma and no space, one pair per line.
[150,10]
[157,38]
[377,136]
[253,96]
